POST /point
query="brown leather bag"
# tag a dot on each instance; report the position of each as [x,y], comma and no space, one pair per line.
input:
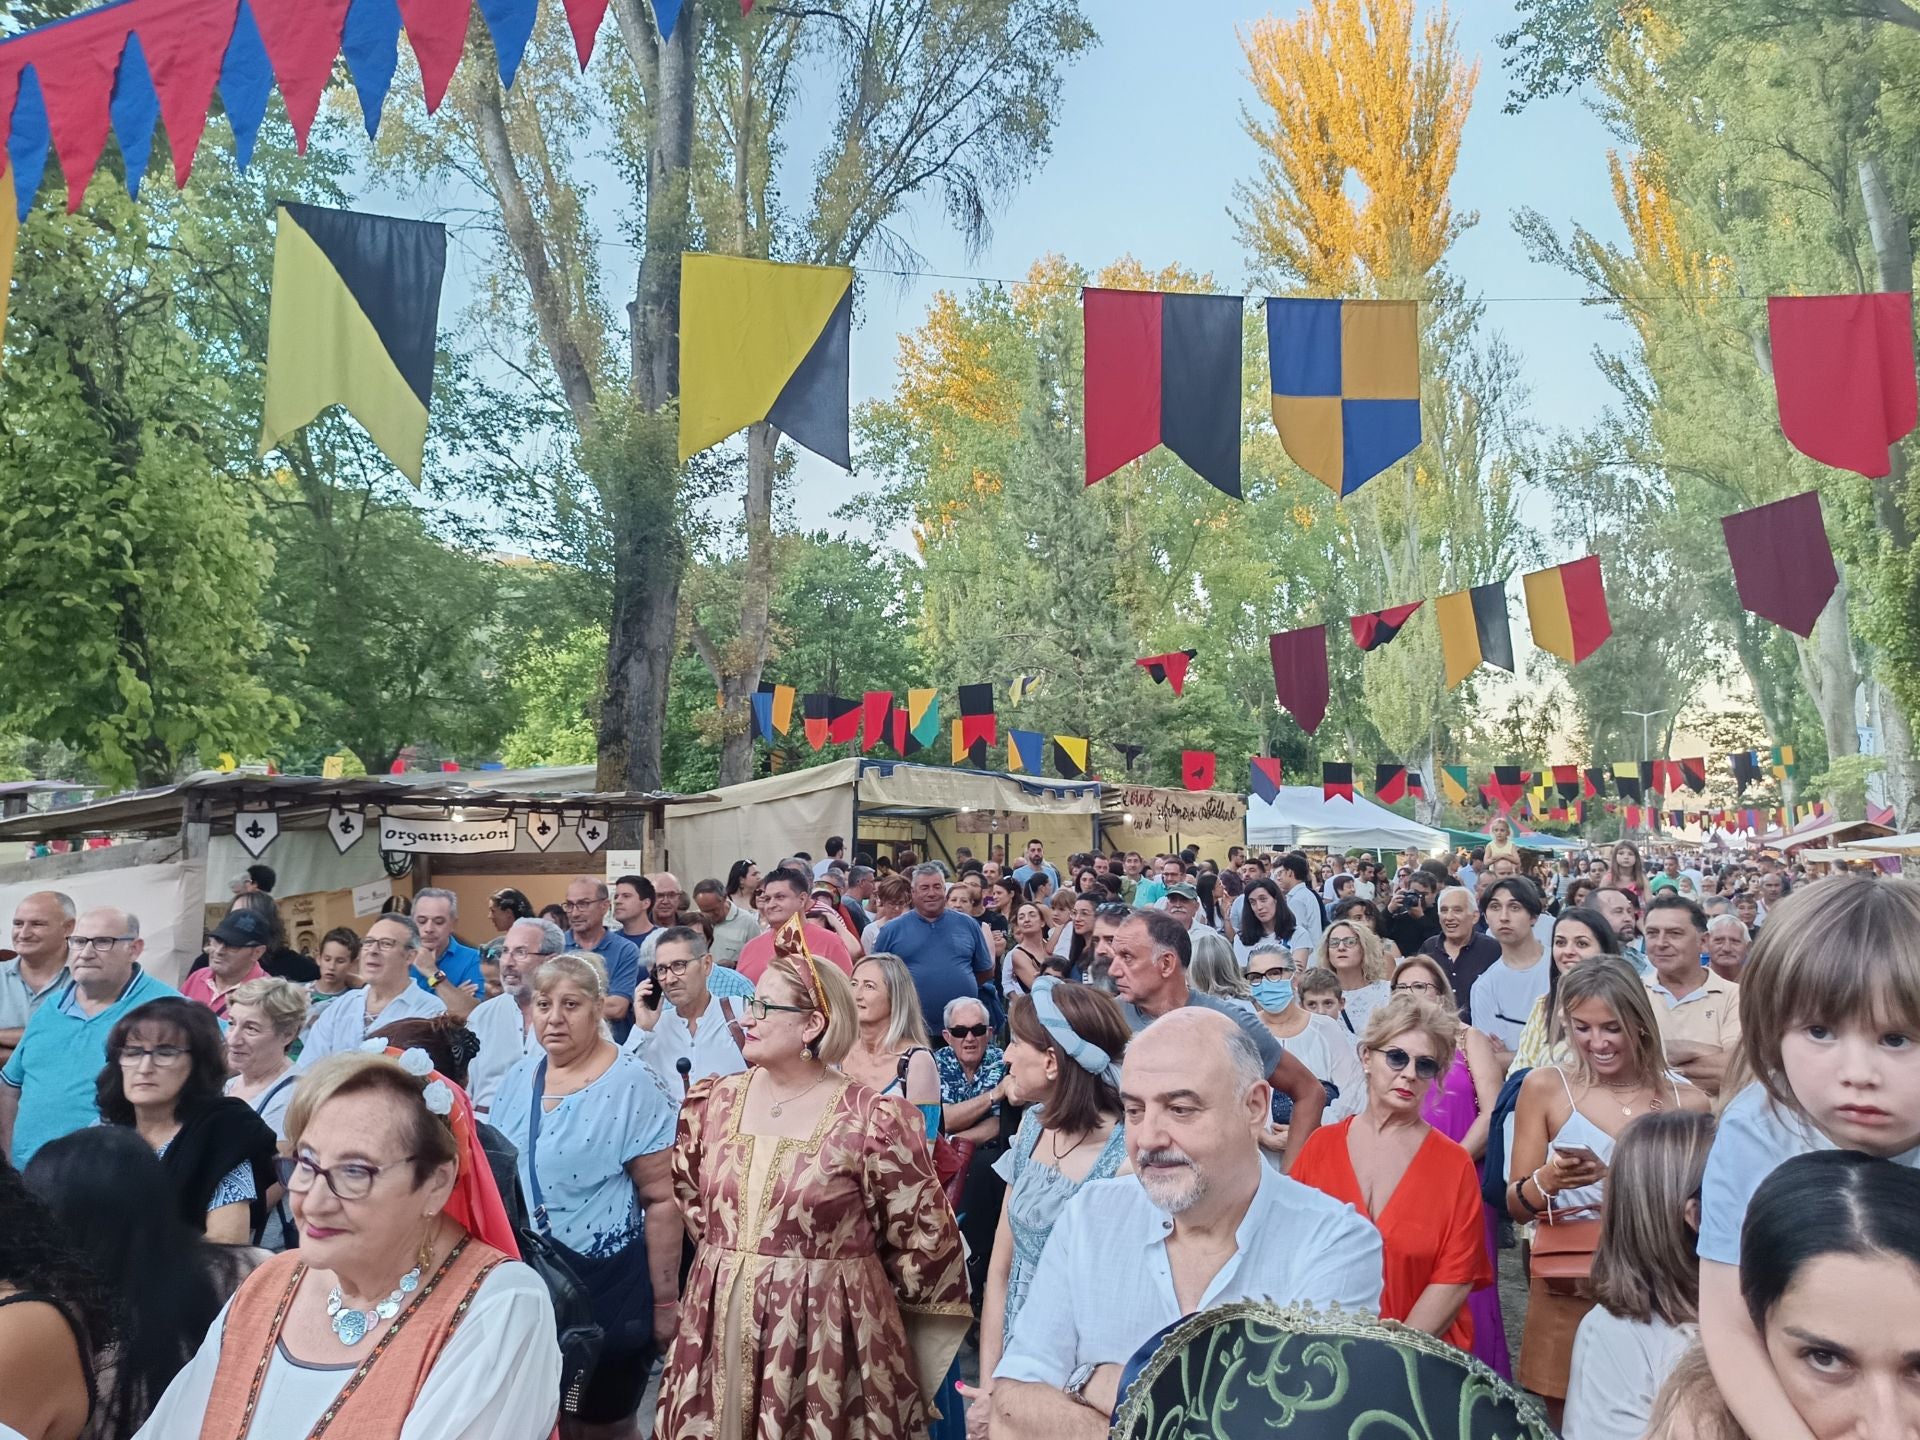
[1563,1246]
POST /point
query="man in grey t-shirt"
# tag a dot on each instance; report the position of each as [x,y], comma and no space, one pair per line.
[1151,953]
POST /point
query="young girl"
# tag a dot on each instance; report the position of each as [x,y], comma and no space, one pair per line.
[339,953]
[1830,1010]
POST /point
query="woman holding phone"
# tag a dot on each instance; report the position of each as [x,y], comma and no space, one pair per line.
[1564,1126]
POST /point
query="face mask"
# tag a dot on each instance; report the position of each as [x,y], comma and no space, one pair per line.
[1273,996]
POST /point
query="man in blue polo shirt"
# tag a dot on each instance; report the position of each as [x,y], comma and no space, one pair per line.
[445,969]
[49,1083]
[586,907]
[945,951]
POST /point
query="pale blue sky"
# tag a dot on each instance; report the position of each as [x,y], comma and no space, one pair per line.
[1146,153]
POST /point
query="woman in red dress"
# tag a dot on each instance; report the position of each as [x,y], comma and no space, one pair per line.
[1418,1187]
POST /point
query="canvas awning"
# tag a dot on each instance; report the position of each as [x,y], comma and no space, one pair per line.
[1302,816]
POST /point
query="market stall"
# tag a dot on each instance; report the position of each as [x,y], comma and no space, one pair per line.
[1301,817]
[341,849]
[882,807]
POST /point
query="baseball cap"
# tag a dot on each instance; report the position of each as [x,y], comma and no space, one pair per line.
[243,927]
[1184,890]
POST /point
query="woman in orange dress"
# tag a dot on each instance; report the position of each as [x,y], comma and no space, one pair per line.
[1418,1187]
[828,1293]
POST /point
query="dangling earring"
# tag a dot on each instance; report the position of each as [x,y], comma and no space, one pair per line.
[425,1258]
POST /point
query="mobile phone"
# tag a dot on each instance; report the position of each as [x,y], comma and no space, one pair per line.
[1579,1154]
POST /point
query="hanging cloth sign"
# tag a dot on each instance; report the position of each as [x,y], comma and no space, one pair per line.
[447,837]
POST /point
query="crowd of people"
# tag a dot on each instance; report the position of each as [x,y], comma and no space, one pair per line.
[867,1145]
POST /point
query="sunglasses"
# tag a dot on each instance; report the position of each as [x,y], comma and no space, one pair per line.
[1425,1067]
[968,1032]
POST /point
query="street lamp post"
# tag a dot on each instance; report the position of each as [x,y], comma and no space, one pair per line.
[1645,744]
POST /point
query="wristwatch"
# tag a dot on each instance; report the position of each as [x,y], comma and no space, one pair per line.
[436,980]
[1078,1381]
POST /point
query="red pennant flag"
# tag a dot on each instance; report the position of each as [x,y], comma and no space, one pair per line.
[449,766]
[1782,564]
[814,708]
[1508,784]
[1593,780]
[1265,779]
[399,767]
[1843,373]
[1336,780]
[1633,817]
[843,720]
[1377,627]
[1566,780]
[876,710]
[1693,774]
[583,19]
[1196,769]
[1169,669]
[185,46]
[1390,783]
[302,38]
[437,30]
[1300,674]
[978,725]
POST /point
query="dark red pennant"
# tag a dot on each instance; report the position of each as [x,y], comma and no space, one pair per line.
[1196,769]
[1336,780]
[1300,674]
[1389,783]
[1169,669]
[843,720]
[1782,564]
[903,742]
[1377,627]
[1693,774]
[1566,780]
[876,712]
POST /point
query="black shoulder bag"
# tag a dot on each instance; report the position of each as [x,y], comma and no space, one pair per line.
[579,1334]
[617,1286]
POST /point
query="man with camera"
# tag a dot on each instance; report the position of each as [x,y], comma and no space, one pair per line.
[1411,918]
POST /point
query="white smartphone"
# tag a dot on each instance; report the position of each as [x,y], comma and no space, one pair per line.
[1579,1154]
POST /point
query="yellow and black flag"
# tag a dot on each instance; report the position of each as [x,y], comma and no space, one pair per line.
[765,341]
[356,303]
[1474,630]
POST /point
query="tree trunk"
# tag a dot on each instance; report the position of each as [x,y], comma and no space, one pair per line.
[1891,232]
[1827,662]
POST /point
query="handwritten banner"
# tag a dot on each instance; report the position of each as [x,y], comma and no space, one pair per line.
[1172,810]
[447,837]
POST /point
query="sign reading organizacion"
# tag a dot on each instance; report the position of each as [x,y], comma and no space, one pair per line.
[447,837]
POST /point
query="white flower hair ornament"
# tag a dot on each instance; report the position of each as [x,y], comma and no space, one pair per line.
[439,1097]
[417,1062]
[373,1047]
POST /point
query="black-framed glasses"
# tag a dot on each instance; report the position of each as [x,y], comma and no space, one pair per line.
[759,1009]
[675,968]
[1425,1067]
[161,1055]
[350,1180]
[969,1032]
[1258,977]
[98,942]
[1416,987]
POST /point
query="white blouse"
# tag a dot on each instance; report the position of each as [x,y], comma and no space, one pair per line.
[497,1379]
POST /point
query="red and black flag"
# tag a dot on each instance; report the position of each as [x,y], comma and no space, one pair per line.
[1593,781]
[1163,370]
[1416,786]
[902,738]
[1336,780]
[1389,783]
[977,723]
[1377,627]
[876,719]
[1196,769]
[1693,774]
[1566,780]
[843,720]
[1300,674]
[1264,779]
[1169,669]
[1508,784]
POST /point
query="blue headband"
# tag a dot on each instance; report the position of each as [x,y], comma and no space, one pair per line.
[1084,1053]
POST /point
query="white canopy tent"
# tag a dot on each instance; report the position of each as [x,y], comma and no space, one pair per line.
[1302,816]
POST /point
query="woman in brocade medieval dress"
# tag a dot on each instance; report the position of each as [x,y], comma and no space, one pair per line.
[828,1294]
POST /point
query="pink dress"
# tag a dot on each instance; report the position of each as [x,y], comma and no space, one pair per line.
[1451,1108]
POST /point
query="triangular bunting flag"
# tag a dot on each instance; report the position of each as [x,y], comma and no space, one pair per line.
[1169,669]
[1264,779]
[1377,627]
[1300,674]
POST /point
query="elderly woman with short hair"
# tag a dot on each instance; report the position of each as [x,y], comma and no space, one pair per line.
[594,1129]
[1418,1188]
[394,1320]
[264,1020]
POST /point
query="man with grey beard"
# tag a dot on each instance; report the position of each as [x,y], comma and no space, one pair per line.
[1202,1221]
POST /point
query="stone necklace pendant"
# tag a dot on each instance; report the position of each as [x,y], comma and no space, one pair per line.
[352,1326]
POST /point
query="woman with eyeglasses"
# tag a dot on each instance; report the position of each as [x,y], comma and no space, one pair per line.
[165,1078]
[828,1292]
[1564,1126]
[1418,1188]
[387,953]
[1460,1106]
[1354,953]
[1319,1042]
[594,1127]
[404,1314]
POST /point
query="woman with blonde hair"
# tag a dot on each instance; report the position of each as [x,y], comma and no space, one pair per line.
[1434,1238]
[1646,1277]
[1213,970]
[828,1293]
[1354,953]
[1564,1128]
[892,1054]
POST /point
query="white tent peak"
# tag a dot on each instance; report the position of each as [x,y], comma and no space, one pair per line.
[1301,815]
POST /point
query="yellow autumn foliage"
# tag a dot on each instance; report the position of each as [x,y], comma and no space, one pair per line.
[1366,109]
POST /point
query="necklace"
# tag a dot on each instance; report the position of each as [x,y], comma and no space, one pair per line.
[351,1325]
[1053,1144]
[1626,1109]
[781,1104]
